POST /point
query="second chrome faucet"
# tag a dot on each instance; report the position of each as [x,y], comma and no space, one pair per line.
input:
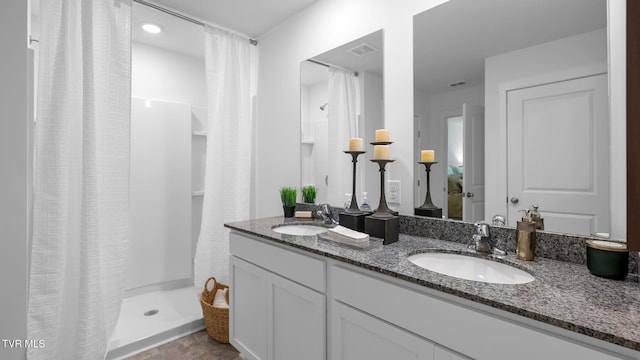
[482,241]
[326,214]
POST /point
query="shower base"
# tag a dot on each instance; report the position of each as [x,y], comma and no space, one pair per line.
[178,314]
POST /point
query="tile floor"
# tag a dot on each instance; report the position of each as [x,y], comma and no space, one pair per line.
[197,346]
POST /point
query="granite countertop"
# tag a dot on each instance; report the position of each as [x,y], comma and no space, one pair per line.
[563,294]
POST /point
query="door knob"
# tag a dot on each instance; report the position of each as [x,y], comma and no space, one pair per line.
[470,194]
[514,200]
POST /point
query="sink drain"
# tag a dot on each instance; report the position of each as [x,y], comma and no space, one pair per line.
[151,312]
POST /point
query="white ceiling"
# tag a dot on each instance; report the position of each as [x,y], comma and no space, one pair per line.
[311,73]
[250,17]
[452,40]
[177,34]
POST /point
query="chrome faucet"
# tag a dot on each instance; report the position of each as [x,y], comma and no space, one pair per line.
[326,214]
[482,241]
[499,220]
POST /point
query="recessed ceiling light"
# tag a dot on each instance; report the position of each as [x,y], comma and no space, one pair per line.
[151,28]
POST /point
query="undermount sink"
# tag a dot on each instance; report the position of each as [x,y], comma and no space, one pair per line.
[471,268]
[299,229]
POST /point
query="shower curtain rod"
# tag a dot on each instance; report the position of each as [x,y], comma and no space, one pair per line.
[253,42]
[355,73]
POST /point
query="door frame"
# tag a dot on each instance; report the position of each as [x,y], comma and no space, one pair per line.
[444,118]
[632,122]
[503,90]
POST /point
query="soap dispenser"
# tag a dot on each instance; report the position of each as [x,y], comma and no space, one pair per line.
[526,237]
[537,217]
[365,202]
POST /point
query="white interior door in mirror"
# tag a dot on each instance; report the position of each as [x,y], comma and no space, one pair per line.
[558,154]
[473,178]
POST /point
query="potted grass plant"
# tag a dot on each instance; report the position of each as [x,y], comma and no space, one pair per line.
[288,196]
[309,194]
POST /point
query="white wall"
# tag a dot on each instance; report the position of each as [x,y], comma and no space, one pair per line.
[160,201]
[158,74]
[315,30]
[372,119]
[166,76]
[314,127]
[580,54]
[14,184]
[433,110]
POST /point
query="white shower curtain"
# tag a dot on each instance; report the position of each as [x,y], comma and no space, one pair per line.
[230,70]
[81,189]
[343,95]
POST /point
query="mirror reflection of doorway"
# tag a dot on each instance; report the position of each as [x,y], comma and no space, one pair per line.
[455,166]
[465,163]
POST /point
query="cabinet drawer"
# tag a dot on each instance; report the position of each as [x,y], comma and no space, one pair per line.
[297,267]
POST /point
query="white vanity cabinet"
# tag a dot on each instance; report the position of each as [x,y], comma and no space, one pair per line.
[458,328]
[288,305]
[278,308]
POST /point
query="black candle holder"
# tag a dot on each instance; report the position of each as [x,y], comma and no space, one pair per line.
[354,208]
[428,208]
[383,211]
[383,223]
[381,143]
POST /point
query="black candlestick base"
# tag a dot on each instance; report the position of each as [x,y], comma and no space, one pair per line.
[428,208]
[354,208]
[383,211]
[435,213]
[383,228]
[353,220]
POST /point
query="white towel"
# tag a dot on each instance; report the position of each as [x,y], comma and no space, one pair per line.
[344,233]
[220,300]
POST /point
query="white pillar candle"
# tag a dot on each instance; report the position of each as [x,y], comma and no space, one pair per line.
[427,155]
[355,144]
[382,135]
[381,152]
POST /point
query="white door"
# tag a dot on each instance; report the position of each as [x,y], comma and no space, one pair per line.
[558,154]
[473,168]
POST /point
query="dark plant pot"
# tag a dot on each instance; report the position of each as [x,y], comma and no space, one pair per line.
[289,211]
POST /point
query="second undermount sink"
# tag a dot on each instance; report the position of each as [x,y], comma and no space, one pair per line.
[471,268]
[300,229]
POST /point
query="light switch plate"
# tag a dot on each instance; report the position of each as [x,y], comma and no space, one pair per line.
[393,191]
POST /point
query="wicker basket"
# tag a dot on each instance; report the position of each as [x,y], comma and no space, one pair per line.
[216,319]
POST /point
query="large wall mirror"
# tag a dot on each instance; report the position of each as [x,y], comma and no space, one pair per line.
[513,97]
[340,98]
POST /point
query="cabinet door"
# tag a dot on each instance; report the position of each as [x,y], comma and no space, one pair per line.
[248,306]
[356,336]
[297,319]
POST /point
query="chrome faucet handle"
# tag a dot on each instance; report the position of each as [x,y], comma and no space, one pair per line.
[498,220]
[325,208]
[326,214]
[481,228]
[482,241]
